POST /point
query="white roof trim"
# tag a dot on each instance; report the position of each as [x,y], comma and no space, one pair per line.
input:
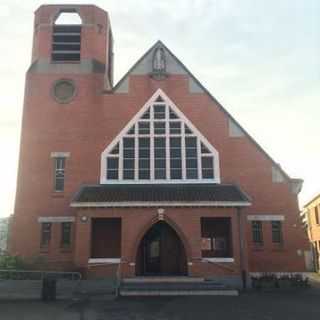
[266,217]
[160,204]
[56,219]
[137,116]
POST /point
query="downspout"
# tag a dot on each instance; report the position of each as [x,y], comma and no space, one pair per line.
[241,245]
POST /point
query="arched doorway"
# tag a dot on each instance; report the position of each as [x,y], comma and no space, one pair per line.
[161,252]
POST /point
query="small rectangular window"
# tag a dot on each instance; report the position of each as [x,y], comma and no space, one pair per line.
[45,234]
[257,236]
[66,234]
[276,227]
[59,174]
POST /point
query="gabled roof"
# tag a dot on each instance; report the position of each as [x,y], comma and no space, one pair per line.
[203,89]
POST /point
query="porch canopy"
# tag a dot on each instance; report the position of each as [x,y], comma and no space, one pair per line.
[164,195]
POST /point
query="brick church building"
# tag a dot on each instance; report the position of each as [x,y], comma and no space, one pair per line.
[149,176]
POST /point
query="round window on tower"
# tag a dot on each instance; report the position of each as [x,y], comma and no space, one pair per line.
[64,90]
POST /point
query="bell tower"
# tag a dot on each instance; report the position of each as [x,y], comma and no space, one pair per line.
[85,44]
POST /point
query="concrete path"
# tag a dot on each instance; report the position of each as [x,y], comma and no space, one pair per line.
[276,305]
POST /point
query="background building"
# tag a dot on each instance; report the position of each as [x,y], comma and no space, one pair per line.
[311,220]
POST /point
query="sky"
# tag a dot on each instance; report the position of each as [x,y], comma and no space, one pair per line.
[260,59]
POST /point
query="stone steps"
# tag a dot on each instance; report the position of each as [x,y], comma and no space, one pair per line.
[166,286]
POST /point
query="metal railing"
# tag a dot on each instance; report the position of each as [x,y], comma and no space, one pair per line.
[14,274]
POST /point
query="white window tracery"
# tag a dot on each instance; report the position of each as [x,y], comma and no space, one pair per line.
[160,145]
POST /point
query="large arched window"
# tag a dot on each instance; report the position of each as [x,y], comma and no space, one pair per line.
[160,145]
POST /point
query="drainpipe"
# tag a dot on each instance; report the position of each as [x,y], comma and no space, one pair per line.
[241,245]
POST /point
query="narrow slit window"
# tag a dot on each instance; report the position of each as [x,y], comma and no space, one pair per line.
[45,234]
[66,234]
[59,174]
[257,236]
[276,227]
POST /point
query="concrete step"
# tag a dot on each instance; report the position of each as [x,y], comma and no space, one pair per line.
[168,286]
[161,279]
[138,293]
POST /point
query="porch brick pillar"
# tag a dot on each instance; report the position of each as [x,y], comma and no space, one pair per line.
[82,241]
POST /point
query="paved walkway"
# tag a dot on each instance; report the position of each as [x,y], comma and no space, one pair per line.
[293,305]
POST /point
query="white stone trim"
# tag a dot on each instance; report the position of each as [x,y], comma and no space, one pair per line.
[56,219]
[104,260]
[266,217]
[160,204]
[184,120]
[216,259]
[60,154]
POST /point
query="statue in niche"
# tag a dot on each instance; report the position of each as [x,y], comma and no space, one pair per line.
[159,64]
